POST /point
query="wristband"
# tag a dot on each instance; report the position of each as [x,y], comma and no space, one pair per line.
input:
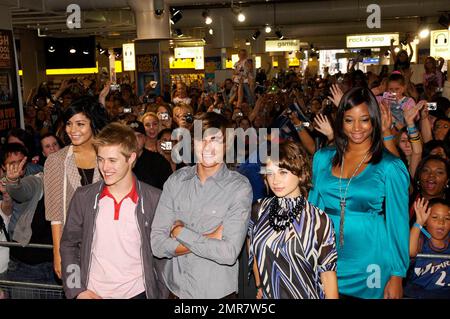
[411,129]
[388,138]
[299,127]
[423,230]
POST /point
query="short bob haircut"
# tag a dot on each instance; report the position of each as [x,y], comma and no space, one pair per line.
[91,108]
[293,158]
[352,98]
[117,134]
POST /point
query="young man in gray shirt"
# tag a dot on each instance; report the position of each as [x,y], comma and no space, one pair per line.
[201,220]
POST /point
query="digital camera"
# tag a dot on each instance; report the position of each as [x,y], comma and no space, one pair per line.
[432,106]
[189,118]
[115,87]
[166,146]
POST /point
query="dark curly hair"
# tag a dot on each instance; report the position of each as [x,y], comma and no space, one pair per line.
[91,108]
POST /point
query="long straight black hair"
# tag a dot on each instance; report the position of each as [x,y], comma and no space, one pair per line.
[354,97]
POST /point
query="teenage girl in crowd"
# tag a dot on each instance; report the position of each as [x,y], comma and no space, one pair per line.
[71,167]
[292,243]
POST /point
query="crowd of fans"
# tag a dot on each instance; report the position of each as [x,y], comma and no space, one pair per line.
[59,128]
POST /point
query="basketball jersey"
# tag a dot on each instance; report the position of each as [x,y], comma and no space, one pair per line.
[431,274]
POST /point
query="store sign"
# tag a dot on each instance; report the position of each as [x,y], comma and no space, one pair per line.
[440,44]
[182,64]
[371,40]
[195,53]
[129,59]
[10,115]
[282,45]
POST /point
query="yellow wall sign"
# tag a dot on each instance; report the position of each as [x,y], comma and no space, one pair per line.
[294,62]
[182,63]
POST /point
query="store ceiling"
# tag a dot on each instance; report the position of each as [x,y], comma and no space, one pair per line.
[323,21]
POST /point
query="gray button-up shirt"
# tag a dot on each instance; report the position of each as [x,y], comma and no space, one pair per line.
[211,269]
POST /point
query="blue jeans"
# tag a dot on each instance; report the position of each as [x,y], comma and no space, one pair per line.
[248,94]
[39,274]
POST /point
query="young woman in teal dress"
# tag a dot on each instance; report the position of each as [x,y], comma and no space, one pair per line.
[364,190]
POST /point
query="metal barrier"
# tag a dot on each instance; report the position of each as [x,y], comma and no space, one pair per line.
[10,289]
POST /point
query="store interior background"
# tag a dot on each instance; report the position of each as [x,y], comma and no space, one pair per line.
[191,50]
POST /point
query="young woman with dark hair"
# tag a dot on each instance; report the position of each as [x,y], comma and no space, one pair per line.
[73,166]
[432,179]
[364,190]
[286,231]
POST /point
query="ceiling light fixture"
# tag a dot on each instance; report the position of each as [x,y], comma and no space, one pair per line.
[207,17]
[176,15]
[279,35]
[256,34]
[178,32]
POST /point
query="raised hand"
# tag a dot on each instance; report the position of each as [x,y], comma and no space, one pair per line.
[336,93]
[323,125]
[104,92]
[15,170]
[64,85]
[422,211]
[386,116]
[411,113]
[423,110]
[294,118]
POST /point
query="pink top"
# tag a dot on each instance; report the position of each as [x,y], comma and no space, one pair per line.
[116,268]
[435,76]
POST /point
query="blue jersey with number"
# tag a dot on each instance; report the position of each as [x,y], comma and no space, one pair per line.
[429,277]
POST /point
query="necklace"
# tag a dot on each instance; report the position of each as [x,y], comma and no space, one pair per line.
[279,219]
[342,201]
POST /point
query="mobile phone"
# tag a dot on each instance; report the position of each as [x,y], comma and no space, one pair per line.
[306,124]
[218,111]
[432,106]
[163,116]
[127,110]
[166,146]
[239,114]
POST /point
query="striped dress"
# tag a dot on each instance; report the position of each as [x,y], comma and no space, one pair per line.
[290,261]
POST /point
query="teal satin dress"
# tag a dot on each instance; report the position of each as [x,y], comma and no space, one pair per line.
[376,227]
